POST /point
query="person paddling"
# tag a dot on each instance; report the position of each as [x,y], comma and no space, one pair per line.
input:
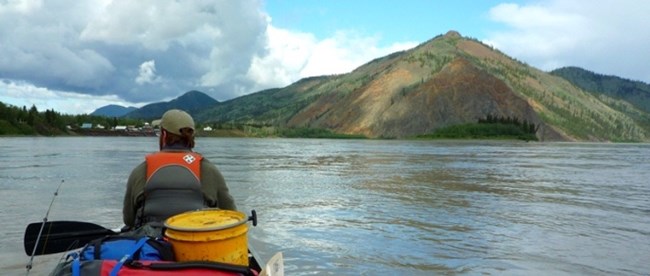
[175,179]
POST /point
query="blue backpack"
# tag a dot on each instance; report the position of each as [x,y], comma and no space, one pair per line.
[123,249]
[118,247]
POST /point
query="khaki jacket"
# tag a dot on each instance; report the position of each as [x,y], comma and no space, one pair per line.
[213,186]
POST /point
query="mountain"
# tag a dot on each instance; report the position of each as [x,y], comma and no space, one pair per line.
[635,92]
[191,101]
[448,80]
[112,110]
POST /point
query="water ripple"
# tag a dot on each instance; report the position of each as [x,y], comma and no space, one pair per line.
[337,207]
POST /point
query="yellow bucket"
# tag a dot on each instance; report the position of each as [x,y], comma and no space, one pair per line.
[209,235]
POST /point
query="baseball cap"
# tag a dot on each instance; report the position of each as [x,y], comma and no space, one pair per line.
[174,120]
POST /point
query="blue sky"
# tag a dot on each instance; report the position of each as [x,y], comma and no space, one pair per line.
[391,21]
[76,56]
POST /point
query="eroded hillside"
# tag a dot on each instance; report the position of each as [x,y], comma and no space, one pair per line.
[446,81]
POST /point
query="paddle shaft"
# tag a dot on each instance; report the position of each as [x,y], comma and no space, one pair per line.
[43,238]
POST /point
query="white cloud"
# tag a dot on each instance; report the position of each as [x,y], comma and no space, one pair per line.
[287,54]
[155,24]
[97,47]
[607,36]
[346,51]
[120,51]
[295,55]
[18,6]
[147,73]
[24,94]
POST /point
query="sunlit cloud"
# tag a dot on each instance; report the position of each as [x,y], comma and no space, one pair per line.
[27,95]
[147,73]
[552,34]
[295,55]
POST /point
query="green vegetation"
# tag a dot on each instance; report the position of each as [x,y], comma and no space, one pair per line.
[490,128]
[635,92]
[22,121]
[567,107]
[249,130]
[315,133]
[480,131]
[629,98]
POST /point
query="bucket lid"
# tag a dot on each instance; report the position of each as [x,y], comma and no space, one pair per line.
[205,220]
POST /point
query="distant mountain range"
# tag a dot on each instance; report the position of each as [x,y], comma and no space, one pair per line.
[192,102]
[113,110]
[635,92]
[445,81]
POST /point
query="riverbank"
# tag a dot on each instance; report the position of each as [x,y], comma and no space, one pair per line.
[103,132]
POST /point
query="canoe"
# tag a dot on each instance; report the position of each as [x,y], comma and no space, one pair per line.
[66,236]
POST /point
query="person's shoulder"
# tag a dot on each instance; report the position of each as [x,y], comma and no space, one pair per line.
[206,162]
[141,166]
[207,166]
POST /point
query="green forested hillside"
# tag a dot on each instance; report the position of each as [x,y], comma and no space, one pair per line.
[626,96]
[635,92]
[23,121]
[272,107]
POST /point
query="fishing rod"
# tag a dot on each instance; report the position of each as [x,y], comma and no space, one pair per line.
[40,232]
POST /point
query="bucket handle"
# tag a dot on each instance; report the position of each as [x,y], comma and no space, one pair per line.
[253,217]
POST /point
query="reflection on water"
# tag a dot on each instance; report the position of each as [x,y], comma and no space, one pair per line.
[337,207]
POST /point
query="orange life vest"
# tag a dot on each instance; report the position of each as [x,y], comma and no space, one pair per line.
[173,186]
[189,160]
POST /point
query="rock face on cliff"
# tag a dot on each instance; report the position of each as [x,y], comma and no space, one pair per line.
[446,81]
[388,107]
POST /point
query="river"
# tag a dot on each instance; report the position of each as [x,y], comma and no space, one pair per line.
[369,207]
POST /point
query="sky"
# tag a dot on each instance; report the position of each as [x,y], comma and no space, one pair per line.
[76,56]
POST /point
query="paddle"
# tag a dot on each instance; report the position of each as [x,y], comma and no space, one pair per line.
[61,236]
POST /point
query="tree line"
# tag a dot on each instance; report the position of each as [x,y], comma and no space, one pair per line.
[525,126]
[30,121]
[491,127]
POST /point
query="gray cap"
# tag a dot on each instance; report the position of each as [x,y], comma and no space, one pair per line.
[174,120]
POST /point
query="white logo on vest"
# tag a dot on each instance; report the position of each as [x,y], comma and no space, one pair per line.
[189,159]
